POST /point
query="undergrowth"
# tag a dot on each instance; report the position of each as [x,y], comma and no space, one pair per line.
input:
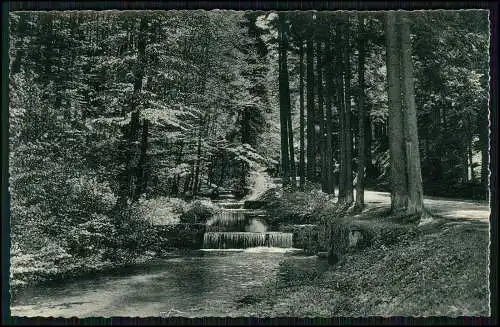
[105,242]
[439,270]
[401,268]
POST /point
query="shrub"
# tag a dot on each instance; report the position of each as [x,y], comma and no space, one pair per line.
[199,211]
[160,210]
[91,195]
[95,235]
[29,267]
[182,236]
[305,237]
[294,207]
[135,236]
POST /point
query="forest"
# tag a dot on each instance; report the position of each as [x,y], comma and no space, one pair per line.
[121,119]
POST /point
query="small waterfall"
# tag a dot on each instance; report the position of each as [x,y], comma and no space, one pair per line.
[243,240]
[238,228]
[280,240]
[227,220]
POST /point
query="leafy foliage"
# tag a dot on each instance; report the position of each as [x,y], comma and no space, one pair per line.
[102,103]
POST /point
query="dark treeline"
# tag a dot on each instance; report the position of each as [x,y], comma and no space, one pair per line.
[390,100]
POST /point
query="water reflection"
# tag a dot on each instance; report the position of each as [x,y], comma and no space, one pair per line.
[256,226]
[199,283]
[237,220]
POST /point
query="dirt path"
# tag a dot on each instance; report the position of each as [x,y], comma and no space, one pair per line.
[261,182]
[446,208]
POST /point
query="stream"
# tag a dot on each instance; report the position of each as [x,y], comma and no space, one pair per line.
[196,284]
[238,255]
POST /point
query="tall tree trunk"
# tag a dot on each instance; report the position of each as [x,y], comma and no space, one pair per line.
[199,158]
[198,163]
[175,185]
[245,138]
[302,118]
[293,170]
[133,155]
[188,185]
[399,192]
[465,158]
[320,115]
[288,108]
[205,122]
[415,190]
[285,162]
[134,126]
[485,144]
[369,168]
[348,115]
[310,109]
[468,150]
[330,91]
[341,114]
[143,160]
[471,162]
[360,185]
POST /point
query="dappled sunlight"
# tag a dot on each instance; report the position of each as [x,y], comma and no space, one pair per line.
[469,214]
[261,182]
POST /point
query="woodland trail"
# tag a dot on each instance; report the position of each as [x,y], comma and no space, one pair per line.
[443,207]
[261,183]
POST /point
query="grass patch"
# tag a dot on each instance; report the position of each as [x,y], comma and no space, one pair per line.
[439,271]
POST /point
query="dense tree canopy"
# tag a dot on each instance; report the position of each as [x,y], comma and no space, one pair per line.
[346,53]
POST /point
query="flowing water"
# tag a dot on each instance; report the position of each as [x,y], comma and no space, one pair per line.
[196,284]
[239,255]
[243,240]
[239,228]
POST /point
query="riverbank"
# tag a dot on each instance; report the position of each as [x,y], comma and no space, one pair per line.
[156,229]
[406,269]
[194,284]
[40,274]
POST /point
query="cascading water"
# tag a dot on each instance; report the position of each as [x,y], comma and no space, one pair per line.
[236,228]
[243,240]
[227,220]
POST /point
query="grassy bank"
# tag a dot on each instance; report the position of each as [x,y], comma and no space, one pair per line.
[152,229]
[28,270]
[437,269]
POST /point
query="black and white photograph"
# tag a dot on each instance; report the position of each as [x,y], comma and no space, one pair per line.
[245,163]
